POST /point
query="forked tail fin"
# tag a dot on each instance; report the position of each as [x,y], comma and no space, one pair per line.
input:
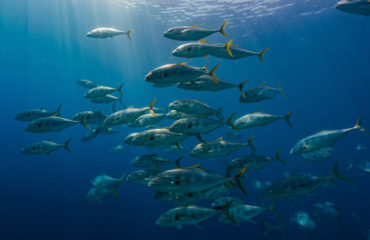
[260,54]
[222,28]
[335,173]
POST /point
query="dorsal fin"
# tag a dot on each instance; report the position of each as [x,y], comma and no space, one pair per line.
[195,166]
[202,41]
[181,64]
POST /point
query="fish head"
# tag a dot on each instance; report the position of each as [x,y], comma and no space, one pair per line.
[198,150]
[22,116]
[30,149]
[347,5]
[133,138]
[161,182]
[179,126]
[35,126]
[136,176]
[94,33]
[171,33]
[167,219]
[186,50]
[297,149]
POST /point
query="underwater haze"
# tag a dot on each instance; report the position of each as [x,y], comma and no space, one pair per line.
[319,55]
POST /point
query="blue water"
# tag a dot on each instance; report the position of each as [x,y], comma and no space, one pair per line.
[320,55]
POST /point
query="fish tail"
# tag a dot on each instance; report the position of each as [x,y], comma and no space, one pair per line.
[226,211]
[335,174]
[360,127]
[230,122]
[151,107]
[249,143]
[227,47]
[120,89]
[66,145]
[222,28]
[122,178]
[237,179]
[57,113]
[277,157]
[260,54]
[83,122]
[241,86]
[205,66]
[281,90]
[287,118]
[212,73]
[129,34]
[177,162]
[219,114]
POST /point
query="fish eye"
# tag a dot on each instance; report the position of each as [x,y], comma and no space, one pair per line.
[39,124]
[33,148]
[165,74]
[189,49]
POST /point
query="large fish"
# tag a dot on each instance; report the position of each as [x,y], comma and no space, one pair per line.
[260,93]
[53,124]
[195,107]
[102,91]
[361,7]
[44,147]
[147,120]
[37,113]
[299,184]
[259,119]
[192,33]
[170,74]
[105,32]
[325,138]
[199,49]
[234,52]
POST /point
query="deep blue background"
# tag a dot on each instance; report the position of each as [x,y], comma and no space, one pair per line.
[322,61]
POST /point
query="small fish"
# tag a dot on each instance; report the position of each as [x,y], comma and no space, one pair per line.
[199,49]
[95,195]
[361,147]
[104,32]
[361,7]
[52,124]
[170,74]
[241,213]
[103,181]
[44,147]
[117,149]
[91,117]
[259,119]
[153,161]
[107,99]
[303,220]
[218,148]
[195,107]
[87,83]
[34,114]
[102,91]
[260,93]
[234,52]
[319,155]
[192,33]
[142,177]
[325,138]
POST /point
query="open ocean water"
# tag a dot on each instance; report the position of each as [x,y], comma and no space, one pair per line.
[321,57]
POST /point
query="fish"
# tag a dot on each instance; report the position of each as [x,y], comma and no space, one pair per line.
[53,124]
[361,147]
[104,181]
[301,185]
[199,49]
[195,107]
[205,83]
[87,83]
[234,52]
[319,155]
[360,7]
[175,115]
[44,147]
[91,117]
[102,91]
[142,177]
[197,126]
[242,212]
[259,119]
[221,202]
[147,120]
[155,138]
[104,32]
[252,161]
[218,148]
[191,179]
[192,33]
[188,215]
[267,228]
[170,74]
[117,149]
[325,138]
[153,161]
[106,99]
[261,93]
[95,195]
[303,220]
[33,114]
[128,115]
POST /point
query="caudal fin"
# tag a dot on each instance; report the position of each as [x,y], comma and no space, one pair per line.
[226,211]
[237,179]
[122,178]
[240,86]
[83,122]
[260,54]
[227,47]
[212,73]
[230,122]
[66,145]
[151,107]
[335,173]
[129,34]
[219,114]
[177,162]
[120,89]
[249,143]
[287,118]
[277,157]
[281,90]
[222,28]
[360,127]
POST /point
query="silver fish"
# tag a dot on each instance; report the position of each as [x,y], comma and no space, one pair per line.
[261,93]
[195,107]
[91,117]
[105,32]
[259,119]
[142,177]
[52,124]
[234,52]
[102,91]
[87,83]
[103,181]
[361,7]
[153,161]
[37,113]
[199,49]
[44,147]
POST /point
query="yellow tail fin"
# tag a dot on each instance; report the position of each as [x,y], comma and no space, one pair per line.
[151,107]
[260,54]
[212,73]
[227,47]
[222,28]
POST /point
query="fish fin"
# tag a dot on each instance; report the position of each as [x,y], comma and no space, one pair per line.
[212,73]
[83,122]
[230,122]
[240,86]
[226,210]
[195,166]
[287,118]
[178,161]
[360,127]
[222,28]
[202,41]
[281,90]
[200,138]
[151,107]
[277,157]
[178,145]
[335,173]
[249,143]
[57,113]
[66,145]
[219,114]
[227,47]
[194,26]
[120,89]
[129,34]
[238,177]
[122,178]
[205,67]
[260,54]
[181,64]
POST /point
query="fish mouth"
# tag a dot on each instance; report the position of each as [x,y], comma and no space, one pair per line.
[176,53]
[149,77]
